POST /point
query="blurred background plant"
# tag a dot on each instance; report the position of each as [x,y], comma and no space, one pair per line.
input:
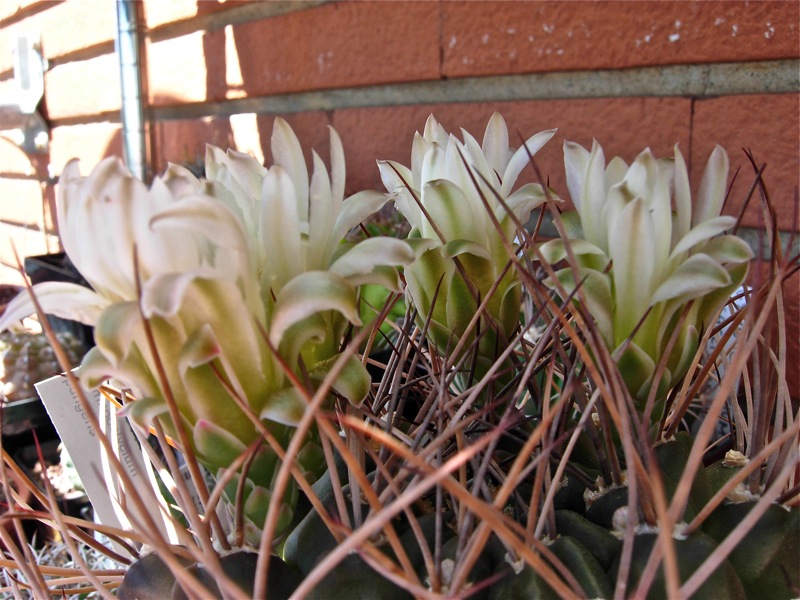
[564,488]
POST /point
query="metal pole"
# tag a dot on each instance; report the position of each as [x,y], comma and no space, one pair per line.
[135,127]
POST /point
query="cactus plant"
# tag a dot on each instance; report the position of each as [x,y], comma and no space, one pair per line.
[558,483]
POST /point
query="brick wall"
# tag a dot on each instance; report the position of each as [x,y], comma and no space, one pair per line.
[631,74]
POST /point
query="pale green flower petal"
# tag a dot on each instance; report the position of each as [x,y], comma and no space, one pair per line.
[632,251]
[521,158]
[116,330]
[453,212]
[458,247]
[615,172]
[382,276]
[144,411]
[281,229]
[365,256]
[555,250]
[215,444]
[243,169]
[711,194]
[596,288]
[60,299]
[309,293]
[460,307]
[576,160]
[163,295]
[702,232]
[200,348]
[695,277]
[287,154]
[593,197]
[636,367]
[337,166]
[286,406]
[353,382]
[322,212]
[399,194]
[495,144]
[683,198]
[353,211]
[469,150]
[523,201]
[727,249]
[210,219]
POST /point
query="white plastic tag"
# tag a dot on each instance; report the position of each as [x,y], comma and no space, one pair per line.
[103,486]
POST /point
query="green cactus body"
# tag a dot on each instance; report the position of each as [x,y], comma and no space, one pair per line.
[600,542]
[724,582]
[671,457]
[767,558]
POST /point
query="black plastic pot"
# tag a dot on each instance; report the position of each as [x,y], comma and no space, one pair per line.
[58,267]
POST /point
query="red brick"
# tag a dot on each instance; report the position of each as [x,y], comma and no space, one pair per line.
[14,160]
[758,277]
[83,88]
[177,70]
[23,203]
[10,8]
[332,46]
[791,297]
[65,27]
[90,143]
[766,124]
[183,142]
[623,126]
[158,12]
[17,9]
[482,38]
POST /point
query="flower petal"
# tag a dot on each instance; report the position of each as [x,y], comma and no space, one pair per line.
[453,212]
[63,300]
[144,411]
[370,253]
[495,144]
[280,229]
[354,211]
[632,251]
[353,381]
[455,248]
[337,166]
[593,197]
[727,249]
[576,160]
[286,406]
[116,330]
[322,212]
[555,250]
[695,277]
[701,232]
[522,157]
[288,154]
[711,194]
[201,348]
[215,444]
[683,198]
[309,293]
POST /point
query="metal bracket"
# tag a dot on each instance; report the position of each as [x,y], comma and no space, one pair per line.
[19,119]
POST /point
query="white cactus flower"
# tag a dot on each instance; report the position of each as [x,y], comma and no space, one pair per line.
[644,247]
[459,198]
